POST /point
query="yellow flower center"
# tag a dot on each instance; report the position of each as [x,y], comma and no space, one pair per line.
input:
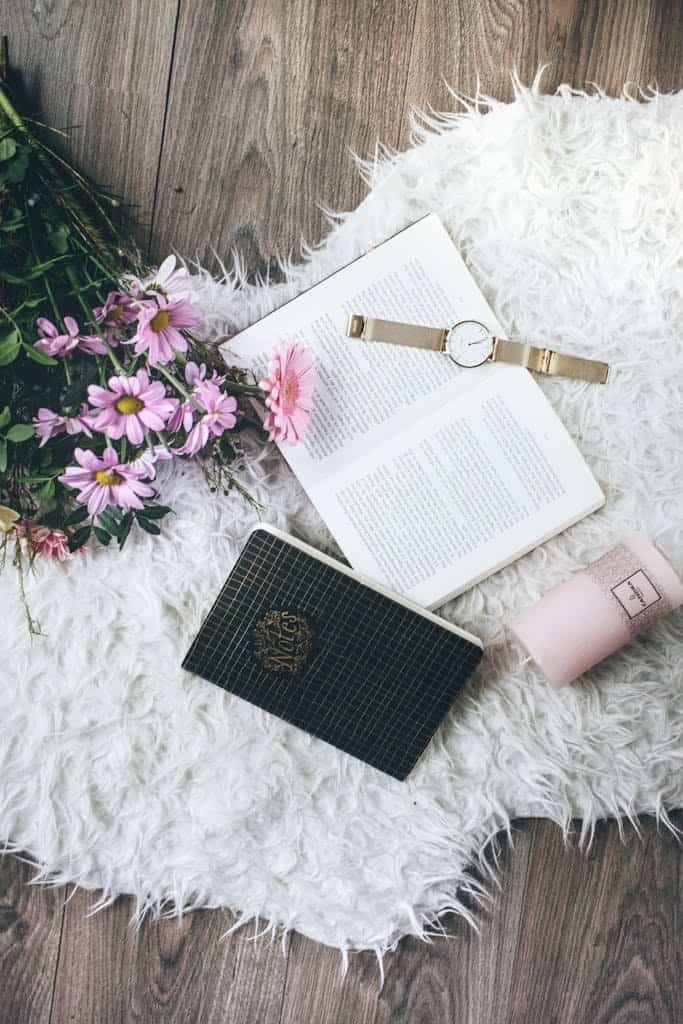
[128,405]
[107,479]
[160,321]
[115,313]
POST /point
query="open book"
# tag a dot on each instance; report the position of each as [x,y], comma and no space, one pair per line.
[429,476]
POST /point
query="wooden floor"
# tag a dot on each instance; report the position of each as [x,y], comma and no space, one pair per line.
[225,123]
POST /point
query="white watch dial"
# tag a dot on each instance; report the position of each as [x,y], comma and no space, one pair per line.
[469,343]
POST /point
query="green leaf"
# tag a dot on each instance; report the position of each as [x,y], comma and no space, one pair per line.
[8,356]
[124,529]
[16,170]
[59,239]
[12,220]
[19,432]
[79,538]
[148,526]
[102,535]
[8,148]
[39,357]
[77,516]
[154,511]
[109,522]
[43,478]
[5,417]
[47,491]
[31,273]
[9,339]
[3,455]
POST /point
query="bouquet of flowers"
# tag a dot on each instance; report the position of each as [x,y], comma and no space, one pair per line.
[102,375]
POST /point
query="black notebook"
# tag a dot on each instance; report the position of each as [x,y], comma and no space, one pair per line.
[307,639]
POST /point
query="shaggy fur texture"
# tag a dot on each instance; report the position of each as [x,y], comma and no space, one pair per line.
[120,772]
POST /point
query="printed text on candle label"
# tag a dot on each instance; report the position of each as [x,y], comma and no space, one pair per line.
[635,594]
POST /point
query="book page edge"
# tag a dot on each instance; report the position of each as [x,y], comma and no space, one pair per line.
[366,582]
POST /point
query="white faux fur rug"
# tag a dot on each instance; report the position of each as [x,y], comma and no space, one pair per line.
[119,771]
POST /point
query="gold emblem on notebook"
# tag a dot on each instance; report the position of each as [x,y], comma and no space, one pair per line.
[282,641]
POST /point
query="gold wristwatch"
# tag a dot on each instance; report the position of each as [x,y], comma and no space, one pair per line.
[470,343]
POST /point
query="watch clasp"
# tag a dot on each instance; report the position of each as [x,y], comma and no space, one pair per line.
[355,326]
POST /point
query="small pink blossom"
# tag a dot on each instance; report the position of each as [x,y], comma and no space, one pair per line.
[160,323]
[195,374]
[52,343]
[290,383]
[118,311]
[48,423]
[132,406]
[22,533]
[219,416]
[49,543]
[42,541]
[105,481]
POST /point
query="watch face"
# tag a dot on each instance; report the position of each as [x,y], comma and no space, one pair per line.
[469,343]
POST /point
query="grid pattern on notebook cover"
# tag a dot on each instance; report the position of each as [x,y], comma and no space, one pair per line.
[331,655]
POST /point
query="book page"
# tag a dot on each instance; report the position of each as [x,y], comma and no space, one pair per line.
[429,476]
[487,476]
[366,392]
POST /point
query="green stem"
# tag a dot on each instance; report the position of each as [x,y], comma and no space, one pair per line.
[48,287]
[244,389]
[174,382]
[9,111]
[110,352]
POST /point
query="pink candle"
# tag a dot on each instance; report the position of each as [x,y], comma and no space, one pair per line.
[579,622]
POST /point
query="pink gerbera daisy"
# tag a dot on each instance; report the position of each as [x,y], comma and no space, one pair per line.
[52,343]
[290,383]
[160,323]
[106,481]
[132,406]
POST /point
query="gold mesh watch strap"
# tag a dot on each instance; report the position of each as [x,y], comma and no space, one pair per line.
[370,329]
[545,360]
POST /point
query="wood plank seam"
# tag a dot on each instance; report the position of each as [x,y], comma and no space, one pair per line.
[169,82]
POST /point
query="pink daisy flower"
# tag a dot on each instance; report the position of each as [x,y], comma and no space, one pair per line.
[48,423]
[81,424]
[289,384]
[195,374]
[118,311]
[183,416]
[218,417]
[52,343]
[185,413]
[132,406]
[169,280]
[148,459]
[159,325]
[106,481]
